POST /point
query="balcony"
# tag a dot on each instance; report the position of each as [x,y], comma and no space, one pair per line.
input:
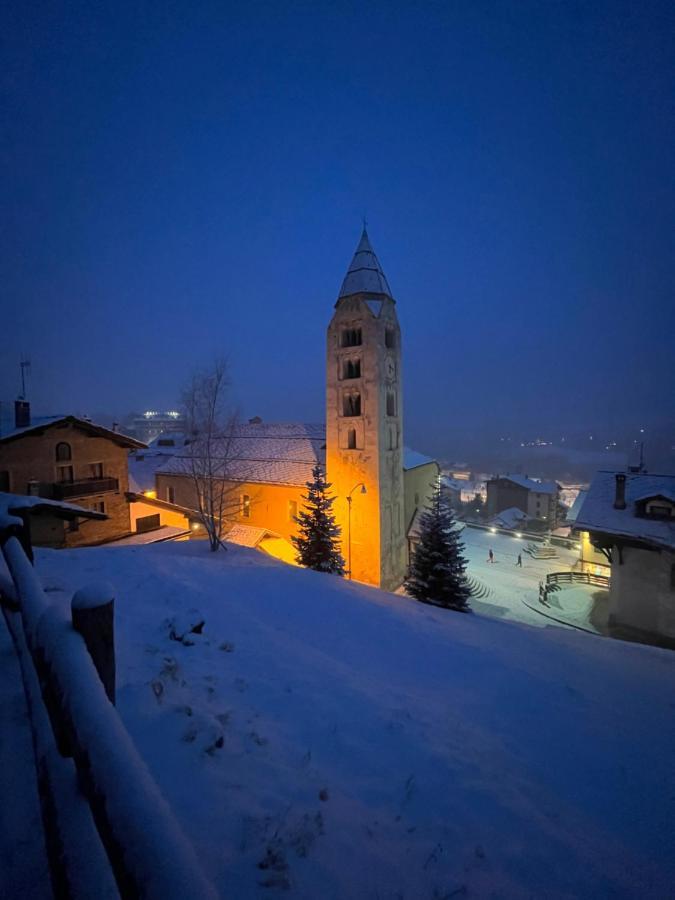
[68,489]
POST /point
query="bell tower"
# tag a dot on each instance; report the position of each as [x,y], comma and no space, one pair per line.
[364,423]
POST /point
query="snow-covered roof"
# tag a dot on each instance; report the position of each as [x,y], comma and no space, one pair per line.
[412,459]
[598,513]
[246,535]
[365,275]
[532,484]
[509,518]
[573,511]
[274,453]
[42,423]
[12,505]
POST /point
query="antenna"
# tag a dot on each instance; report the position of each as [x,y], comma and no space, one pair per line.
[25,367]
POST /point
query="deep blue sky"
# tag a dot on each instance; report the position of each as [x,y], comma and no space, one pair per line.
[181,180]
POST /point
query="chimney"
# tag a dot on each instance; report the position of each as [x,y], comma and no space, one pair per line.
[21,414]
[620,496]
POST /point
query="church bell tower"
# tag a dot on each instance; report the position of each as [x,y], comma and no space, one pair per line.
[364,423]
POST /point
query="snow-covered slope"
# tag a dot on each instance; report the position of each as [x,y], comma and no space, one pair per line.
[342,742]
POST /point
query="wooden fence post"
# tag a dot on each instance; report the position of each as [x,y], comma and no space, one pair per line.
[93,612]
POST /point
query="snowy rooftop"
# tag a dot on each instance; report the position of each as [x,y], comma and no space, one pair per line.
[531,484]
[263,453]
[41,423]
[365,273]
[598,512]
[12,505]
[274,453]
[412,459]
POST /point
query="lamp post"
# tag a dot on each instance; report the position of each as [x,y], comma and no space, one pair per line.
[349,525]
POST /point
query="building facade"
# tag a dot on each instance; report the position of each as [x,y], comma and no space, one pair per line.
[537,499]
[630,520]
[71,459]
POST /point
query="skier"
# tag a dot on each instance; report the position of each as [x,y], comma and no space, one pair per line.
[520,560]
[491,556]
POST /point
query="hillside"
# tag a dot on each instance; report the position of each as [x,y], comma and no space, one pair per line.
[336,741]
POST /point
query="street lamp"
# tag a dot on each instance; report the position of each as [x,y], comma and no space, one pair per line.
[349,525]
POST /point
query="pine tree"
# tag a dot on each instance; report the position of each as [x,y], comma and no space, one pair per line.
[437,571]
[317,542]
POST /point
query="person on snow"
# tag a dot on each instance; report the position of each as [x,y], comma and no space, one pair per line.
[520,560]
[491,556]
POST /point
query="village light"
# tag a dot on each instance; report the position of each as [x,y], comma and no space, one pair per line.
[349,525]
[493,530]
[518,534]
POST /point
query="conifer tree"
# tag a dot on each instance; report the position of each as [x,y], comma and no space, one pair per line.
[437,571]
[317,541]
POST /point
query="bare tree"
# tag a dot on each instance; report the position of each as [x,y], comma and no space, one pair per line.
[209,462]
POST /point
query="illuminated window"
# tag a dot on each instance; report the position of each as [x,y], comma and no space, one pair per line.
[389,338]
[63,452]
[351,439]
[246,506]
[292,509]
[391,403]
[351,368]
[351,404]
[351,337]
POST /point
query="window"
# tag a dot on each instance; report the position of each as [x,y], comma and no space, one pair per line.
[98,506]
[351,404]
[63,452]
[393,438]
[292,509]
[389,338]
[166,442]
[351,439]
[170,494]
[391,403]
[96,470]
[4,481]
[351,337]
[351,368]
[64,474]
[245,506]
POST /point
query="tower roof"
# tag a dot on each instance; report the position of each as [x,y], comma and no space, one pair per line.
[364,275]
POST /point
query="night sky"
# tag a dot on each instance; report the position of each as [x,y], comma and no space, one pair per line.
[181,181]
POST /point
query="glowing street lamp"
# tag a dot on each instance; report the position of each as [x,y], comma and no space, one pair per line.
[349,525]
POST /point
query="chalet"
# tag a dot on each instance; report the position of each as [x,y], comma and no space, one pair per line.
[66,458]
[629,518]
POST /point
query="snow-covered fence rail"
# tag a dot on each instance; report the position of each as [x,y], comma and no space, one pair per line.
[578,578]
[148,854]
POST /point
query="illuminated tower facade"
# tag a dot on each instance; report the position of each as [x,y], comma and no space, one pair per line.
[364,423]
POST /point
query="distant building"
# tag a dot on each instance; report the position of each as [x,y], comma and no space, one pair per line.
[152,423]
[537,499]
[629,519]
[66,458]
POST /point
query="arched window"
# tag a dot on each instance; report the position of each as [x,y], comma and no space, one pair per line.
[63,452]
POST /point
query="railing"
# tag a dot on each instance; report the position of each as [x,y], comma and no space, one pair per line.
[66,489]
[578,578]
[146,850]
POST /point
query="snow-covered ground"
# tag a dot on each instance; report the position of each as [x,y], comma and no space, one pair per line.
[339,741]
[511,592]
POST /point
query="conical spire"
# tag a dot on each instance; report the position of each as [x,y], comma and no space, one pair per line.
[364,275]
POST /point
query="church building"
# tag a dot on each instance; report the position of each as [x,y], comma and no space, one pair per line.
[378,485]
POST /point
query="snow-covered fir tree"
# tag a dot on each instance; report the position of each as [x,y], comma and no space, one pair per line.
[437,572]
[317,541]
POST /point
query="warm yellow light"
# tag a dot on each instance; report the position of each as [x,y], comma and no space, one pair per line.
[518,534]
[151,494]
[196,526]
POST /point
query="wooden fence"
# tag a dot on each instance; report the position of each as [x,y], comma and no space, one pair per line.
[68,671]
[578,578]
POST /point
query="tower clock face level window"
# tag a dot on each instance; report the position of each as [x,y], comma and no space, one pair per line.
[389,338]
[351,405]
[351,337]
[351,368]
